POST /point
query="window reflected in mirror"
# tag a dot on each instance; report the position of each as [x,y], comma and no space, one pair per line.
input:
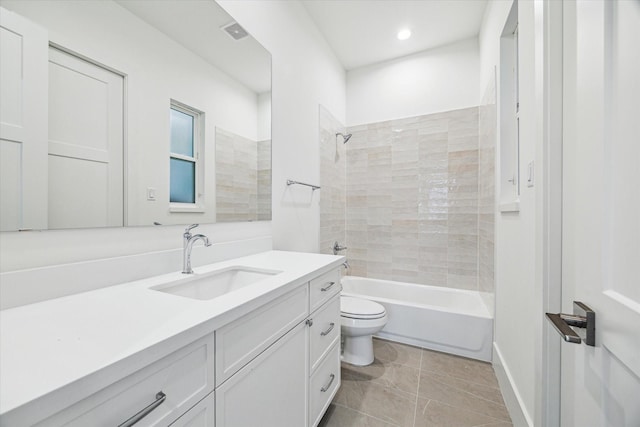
[184,156]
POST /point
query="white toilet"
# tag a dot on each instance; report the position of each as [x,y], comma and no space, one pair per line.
[360,319]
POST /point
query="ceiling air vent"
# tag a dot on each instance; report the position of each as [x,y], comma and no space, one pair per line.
[235,31]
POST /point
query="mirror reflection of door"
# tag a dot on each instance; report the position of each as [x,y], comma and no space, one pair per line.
[23,123]
[85,143]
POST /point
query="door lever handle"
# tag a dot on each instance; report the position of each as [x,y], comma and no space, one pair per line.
[583,317]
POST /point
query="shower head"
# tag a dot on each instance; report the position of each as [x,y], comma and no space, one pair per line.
[345,137]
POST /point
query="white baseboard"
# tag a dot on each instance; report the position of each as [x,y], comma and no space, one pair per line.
[513,400]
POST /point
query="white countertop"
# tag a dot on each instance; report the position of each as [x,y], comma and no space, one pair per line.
[81,343]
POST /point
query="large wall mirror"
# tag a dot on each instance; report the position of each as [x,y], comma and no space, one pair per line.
[131,113]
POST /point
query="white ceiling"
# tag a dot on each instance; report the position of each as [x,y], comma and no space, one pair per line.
[363,32]
[195,24]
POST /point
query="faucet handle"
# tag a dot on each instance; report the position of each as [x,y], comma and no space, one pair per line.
[337,248]
[189,228]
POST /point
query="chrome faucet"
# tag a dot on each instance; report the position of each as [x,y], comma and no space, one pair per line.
[188,240]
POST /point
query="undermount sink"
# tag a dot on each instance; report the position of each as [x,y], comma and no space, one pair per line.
[216,283]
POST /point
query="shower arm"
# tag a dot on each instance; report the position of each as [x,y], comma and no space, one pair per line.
[345,137]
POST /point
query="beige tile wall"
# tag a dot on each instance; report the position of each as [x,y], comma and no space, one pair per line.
[236,177]
[486,188]
[264,180]
[413,199]
[332,181]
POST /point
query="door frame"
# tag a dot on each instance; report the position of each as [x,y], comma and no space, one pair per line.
[549,33]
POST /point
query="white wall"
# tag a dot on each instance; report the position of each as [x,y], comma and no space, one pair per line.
[435,80]
[305,73]
[157,69]
[264,116]
[516,348]
[495,16]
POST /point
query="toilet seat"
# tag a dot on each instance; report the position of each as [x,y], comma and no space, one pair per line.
[359,308]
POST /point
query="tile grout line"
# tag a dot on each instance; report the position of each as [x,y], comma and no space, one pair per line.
[444,376]
[497,420]
[462,390]
[415,411]
[463,379]
[365,414]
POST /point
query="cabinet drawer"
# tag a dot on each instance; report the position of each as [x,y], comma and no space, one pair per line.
[243,339]
[324,287]
[325,330]
[324,385]
[185,377]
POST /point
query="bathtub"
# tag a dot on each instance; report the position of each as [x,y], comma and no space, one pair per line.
[443,319]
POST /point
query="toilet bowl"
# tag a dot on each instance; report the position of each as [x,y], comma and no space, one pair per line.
[359,320]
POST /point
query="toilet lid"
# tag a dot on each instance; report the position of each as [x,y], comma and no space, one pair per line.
[359,308]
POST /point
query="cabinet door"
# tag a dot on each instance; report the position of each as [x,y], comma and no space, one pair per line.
[201,415]
[271,391]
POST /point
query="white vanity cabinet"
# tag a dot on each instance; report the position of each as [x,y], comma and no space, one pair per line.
[201,415]
[158,393]
[242,340]
[267,357]
[272,388]
[324,343]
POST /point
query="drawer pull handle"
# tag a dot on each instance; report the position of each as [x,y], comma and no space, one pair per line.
[326,288]
[160,397]
[331,325]
[325,388]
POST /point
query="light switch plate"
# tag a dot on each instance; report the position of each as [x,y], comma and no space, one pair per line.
[151,193]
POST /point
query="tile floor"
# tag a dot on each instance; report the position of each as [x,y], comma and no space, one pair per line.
[411,387]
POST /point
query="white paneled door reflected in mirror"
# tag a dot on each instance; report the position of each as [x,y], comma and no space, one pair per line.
[90,95]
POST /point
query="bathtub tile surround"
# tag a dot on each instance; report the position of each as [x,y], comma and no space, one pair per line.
[487,124]
[332,176]
[243,178]
[410,386]
[413,198]
[264,180]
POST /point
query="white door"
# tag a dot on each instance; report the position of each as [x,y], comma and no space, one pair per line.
[600,386]
[85,144]
[23,123]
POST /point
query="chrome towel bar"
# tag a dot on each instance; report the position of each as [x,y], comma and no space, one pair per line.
[313,187]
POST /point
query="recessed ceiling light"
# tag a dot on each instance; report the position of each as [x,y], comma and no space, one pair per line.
[404,34]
